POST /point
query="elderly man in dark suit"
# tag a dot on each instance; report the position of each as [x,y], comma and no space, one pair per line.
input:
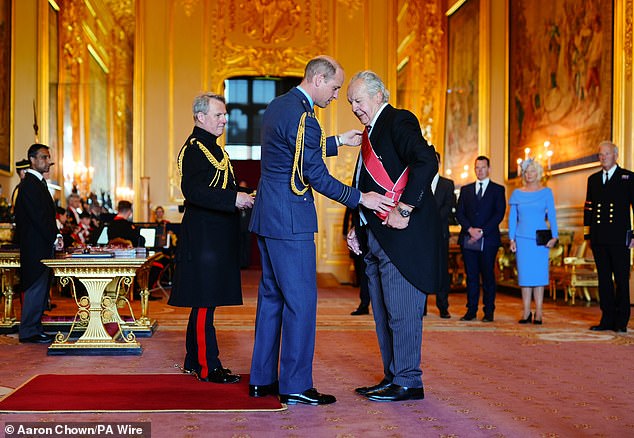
[480,210]
[606,220]
[403,246]
[37,236]
[285,221]
[207,265]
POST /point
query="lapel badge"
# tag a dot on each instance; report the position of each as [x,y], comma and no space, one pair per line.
[625,177]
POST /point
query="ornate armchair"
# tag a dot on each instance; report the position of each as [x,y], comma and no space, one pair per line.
[581,273]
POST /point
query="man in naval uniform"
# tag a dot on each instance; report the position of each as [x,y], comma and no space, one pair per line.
[606,221]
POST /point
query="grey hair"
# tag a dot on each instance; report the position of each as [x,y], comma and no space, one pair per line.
[373,84]
[321,65]
[201,103]
[614,147]
[538,167]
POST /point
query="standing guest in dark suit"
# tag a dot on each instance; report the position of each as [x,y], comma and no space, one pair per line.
[443,189]
[285,221]
[480,210]
[207,273]
[121,226]
[606,219]
[403,246]
[350,218]
[38,237]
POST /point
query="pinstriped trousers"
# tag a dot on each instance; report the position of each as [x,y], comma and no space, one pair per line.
[398,314]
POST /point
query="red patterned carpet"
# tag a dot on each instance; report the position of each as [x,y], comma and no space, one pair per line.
[481,380]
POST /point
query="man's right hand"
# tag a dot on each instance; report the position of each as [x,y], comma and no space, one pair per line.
[244,200]
[353,242]
[377,202]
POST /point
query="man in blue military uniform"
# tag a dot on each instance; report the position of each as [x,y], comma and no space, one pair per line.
[606,220]
[284,220]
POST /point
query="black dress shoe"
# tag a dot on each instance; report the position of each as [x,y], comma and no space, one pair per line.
[527,320]
[394,392]
[42,338]
[621,330]
[445,315]
[537,321]
[264,390]
[364,390]
[308,397]
[600,328]
[360,311]
[487,318]
[221,375]
[468,317]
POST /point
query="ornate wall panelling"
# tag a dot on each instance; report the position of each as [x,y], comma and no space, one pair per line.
[94,94]
[420,66]
[253,38]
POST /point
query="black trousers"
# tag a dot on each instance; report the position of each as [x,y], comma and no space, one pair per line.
[614,294]
[202,346]
[33,306]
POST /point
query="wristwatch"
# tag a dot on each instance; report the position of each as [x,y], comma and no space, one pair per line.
[403,212]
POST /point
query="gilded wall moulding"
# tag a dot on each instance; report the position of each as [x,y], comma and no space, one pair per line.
[351,7]
[256,39]
[71,16]
[423,48]
[629,47]
[123,13]
[187,6]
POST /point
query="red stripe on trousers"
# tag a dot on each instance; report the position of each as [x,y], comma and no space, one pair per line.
[201,342]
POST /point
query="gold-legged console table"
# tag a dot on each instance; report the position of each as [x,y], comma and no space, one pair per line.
[9,264]
[97,308]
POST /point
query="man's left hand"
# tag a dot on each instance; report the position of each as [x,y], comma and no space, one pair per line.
[395,220]
[351,138]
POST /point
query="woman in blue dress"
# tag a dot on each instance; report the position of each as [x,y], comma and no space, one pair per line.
[530,207]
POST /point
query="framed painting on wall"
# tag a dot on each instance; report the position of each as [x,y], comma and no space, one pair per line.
[461,108]
[560,82]
[5,86]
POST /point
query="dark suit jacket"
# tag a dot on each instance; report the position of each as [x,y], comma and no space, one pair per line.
[486,213]
[415,251]
[446,200]
[278,212]
[36,228]
[606,216]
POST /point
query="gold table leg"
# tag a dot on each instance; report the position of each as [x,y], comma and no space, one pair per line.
[8,321]
[99,308]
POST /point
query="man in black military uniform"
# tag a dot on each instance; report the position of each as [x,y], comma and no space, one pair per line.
[606,220]
[122,228]
[207,266]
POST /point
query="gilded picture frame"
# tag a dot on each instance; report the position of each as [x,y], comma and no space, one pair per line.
[462,107]
[6,86]
[560,79]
